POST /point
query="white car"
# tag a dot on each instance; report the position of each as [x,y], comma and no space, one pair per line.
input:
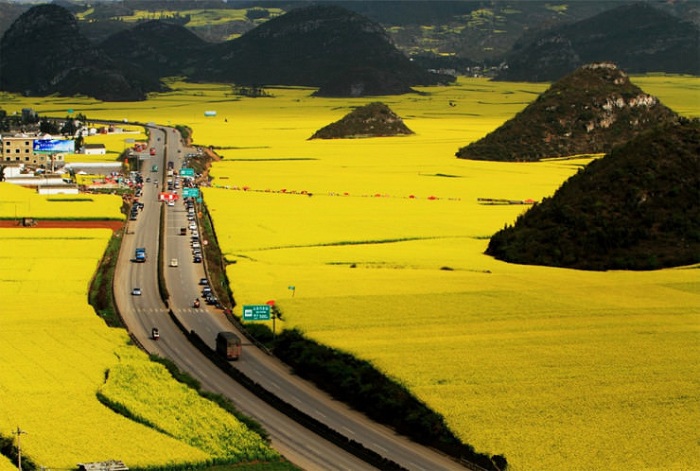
[136,292]
[173,262]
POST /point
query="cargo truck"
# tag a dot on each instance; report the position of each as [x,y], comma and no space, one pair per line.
[140,255]
[228,345]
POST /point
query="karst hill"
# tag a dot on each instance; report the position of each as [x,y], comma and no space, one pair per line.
[638,37]
[44,53]
[589,111]
[636,208]
[324,46]
[157,48]
[371,120]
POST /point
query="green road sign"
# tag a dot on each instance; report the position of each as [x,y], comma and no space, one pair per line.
[256,312]
[187,172]
[190,192]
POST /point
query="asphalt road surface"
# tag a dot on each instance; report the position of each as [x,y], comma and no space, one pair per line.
[141,313]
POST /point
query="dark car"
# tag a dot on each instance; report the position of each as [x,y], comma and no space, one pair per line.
[197,259]
[203,281]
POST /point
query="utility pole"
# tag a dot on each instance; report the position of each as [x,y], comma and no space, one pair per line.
[19,432]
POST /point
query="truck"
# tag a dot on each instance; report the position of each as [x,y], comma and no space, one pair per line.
[140,255]
[228,345]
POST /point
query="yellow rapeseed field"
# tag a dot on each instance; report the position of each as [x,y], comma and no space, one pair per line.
[6,464]
[147,390]
[55,351]
[375,246]
[115,143]
[18,202]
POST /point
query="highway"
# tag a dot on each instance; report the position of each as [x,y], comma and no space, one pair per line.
[141,313]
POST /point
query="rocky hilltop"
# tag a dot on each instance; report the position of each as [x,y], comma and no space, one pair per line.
[637,208]
[43,53]
[372,120]
[587,112]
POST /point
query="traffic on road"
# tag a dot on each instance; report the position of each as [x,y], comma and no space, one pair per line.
[162,318]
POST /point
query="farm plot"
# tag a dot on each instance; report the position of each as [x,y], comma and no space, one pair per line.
[17,202]
[376,247]
[56,354]
[555,369]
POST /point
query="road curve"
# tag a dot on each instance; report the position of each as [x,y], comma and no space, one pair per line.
[140,313]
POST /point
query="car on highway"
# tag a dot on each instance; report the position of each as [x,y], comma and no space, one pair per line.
[136,292]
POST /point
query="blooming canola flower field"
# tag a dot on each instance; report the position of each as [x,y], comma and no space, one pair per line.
[55,353]
[375,246]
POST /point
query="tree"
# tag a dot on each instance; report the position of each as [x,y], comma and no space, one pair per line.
[71,127]
[48,127]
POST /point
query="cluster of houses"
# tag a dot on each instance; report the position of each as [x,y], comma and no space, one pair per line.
[35,160]
[38,160]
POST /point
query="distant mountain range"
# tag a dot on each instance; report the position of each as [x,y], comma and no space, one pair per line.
[638,38]
[325,46]
[336,46]
[44,53]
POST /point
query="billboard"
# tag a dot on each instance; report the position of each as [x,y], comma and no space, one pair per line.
[54,146]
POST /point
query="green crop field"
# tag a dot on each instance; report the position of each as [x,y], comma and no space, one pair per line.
[375,246]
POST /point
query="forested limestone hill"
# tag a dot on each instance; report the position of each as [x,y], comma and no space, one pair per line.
[587,112]
[637,208]
[371,120]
